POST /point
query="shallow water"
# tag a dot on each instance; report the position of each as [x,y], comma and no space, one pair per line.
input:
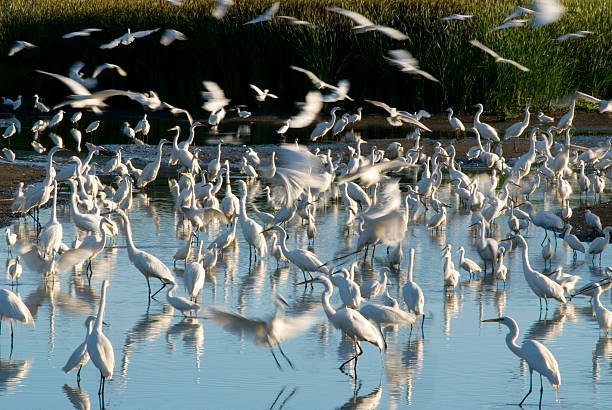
[163,361]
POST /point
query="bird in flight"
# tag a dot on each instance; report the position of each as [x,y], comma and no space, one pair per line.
[496,56]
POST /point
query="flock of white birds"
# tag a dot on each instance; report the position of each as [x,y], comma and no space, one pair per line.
[302,182]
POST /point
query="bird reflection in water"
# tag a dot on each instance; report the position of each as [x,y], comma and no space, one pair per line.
[77,397]
[12,372]
[146,330]
[451,309]
[402,367]
[602,352]
[192,333]
[367,401]
[277,400]
[548,329]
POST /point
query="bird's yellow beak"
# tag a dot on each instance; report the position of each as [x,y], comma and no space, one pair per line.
[499,319]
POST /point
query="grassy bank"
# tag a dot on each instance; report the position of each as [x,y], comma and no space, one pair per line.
[234,55]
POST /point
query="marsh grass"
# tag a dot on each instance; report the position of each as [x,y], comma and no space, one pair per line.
[234,55]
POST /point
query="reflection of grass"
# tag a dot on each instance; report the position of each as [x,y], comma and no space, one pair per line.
[235,55]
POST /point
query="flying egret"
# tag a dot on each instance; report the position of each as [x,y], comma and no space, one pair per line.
[262,95]
[80,356]
[537,356]
[99,347]
[497,57]
[350,321]
[265,16]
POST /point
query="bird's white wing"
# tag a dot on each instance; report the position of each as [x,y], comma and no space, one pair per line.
[266,15]
[144,33]
[587,97]
[309,74]
[257,89]
[169,35]
[81,33]
[294,325]
[542,360]
[209,214]
[215,97]
[484,48]
[13,307]
[512,62]
[221,8]
[510,23]
[391,32]
[105,66]
[356,17]
[546,12]
[177,111]
[70,258]
[112,44]
[76,87]
[381,105]
[235,322]
[308,110]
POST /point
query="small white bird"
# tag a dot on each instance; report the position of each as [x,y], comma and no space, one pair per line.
[407,63]
[170,35]
[510,24]
[14,269]
[497,57]
[242,113]
[79,356]
[76,117]
[292,21]
[18,46]
[284,128]
[455,122]
[545,118]
[57,118]
[92,126]
[39,105]
[518,11]
[577,34]
[180,303]
[10,131]
[81,33]
[15,104]
[110,66]
[221,8]
[262,95]
[546,12]
[127,38]
[363,24]
[459,17]
[266,15]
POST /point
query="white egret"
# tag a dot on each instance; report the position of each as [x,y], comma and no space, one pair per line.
[265,16]
[467,264]
[486,247]
[386,316]
[350,321]
[100,349]
[548,251]
[18,46]
[12,307]
[412,293]
[230,204]
[80,356]
[262,95]
[370,288]
[14,269]
[226,238]
[599,244]
[127,38]
[149,172]
[170,35]
[305,260]
[458,17]
[454,122]
[537,356]
[39,105]
[51,235]
[516,129]
[566,121]
[180,303]
[324,127]
[500,270]
[567,281]
[593,220]
[195,275]
[363,24]
[408,64]
[542,286]
[573,241]
[604,105]
[603,315]
[149,265]
[265,332]
[251,229]
[497,57]
[485,130]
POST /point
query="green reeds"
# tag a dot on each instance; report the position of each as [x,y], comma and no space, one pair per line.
[234,55]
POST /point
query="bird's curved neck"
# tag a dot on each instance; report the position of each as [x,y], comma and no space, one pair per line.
[128,237]
[282,242]
[159,151]
[511,337]
[525,255]
[477,117]
[329,310]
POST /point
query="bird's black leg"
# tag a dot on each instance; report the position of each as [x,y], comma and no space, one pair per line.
[541,390]
[275,359]
[79,376]
[160,289]
[530,387]
[280,349]
[148,286]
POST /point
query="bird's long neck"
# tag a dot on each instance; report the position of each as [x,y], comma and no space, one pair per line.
[243,198]
[329,310]
[525,254]
[159,151]
[477,117]
[527,116]
[450,114]
[101,308]
[128,237]
[88,159]
[54,215]
[511,339]
[411,265]
[282,242]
